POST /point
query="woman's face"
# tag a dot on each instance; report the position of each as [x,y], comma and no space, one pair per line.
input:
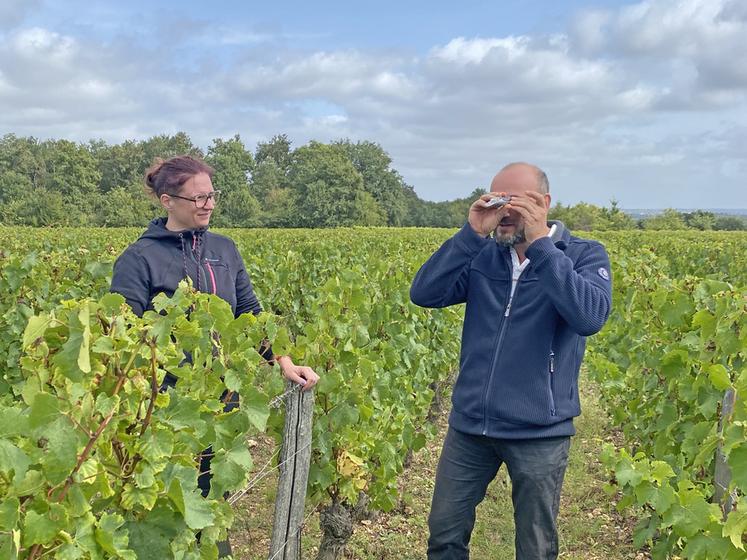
[186,214]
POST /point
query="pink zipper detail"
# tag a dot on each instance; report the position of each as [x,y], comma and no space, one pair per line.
[212,276]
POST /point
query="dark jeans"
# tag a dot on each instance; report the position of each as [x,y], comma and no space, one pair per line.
[469,463]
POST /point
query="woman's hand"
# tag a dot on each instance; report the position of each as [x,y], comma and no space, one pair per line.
[303,375]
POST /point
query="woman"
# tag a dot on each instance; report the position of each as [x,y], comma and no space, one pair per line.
[180,246]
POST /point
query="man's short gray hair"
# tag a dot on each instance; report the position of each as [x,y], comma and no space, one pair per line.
[543,185]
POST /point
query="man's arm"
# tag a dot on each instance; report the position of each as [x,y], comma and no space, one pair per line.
[582,294]
[443,279]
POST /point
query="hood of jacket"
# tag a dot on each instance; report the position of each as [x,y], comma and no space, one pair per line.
[157,230]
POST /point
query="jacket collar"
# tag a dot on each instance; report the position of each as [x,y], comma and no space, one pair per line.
[561,237]
[157,230]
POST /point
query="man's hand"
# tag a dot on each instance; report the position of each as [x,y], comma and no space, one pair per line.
[303,375]
[484,220]
[532,207]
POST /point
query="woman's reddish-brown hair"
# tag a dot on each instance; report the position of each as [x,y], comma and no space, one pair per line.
[168,176]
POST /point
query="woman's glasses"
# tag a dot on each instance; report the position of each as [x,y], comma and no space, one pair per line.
[201,200]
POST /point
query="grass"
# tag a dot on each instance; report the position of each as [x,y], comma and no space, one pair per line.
[590,528]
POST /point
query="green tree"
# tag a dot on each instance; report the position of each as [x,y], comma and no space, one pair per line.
[277,150]
[165,146]
[700,219]
[280,208]
[383,183]
[13,186]
[73,173]
[426,213]
[327,186]
[616,218]
[40,207]
[120,165]
[232,163]
[238,208]
[414,209]
[270,183]
[668,219]
[370,213]
[581,216]
[126,206]
[459,208]
[23,156]
[588,217]
[730,223]
[266,178]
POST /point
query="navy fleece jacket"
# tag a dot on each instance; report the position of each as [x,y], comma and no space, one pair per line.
[519,366]
[161,258]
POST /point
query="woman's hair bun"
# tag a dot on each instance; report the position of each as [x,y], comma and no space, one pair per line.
[151,174]
[168,176]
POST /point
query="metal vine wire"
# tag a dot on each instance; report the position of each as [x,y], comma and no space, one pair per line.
[276,402]
[263,473]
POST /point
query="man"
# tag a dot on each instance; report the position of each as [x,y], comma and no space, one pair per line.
[534,293]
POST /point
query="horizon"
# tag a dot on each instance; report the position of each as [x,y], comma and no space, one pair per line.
[722,211]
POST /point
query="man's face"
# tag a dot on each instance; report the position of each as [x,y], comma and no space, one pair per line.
[513,181]
[509,239]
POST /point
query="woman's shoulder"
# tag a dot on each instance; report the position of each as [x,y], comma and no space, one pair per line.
[220,242]
[141,246]
[222,245]
[146,247]
[218,238]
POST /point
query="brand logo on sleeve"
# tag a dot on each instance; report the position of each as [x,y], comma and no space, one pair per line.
[603,273]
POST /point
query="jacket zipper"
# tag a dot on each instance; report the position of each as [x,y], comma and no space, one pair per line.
[511,300]
[552,383]
[498,345]
[205,272]
[199,265]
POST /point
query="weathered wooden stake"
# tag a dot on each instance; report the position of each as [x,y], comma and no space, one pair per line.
[295,456]
[722,476]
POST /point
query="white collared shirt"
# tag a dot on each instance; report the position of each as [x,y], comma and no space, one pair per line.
[518,268]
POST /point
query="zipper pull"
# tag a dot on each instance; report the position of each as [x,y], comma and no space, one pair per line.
[508,307]
[552,361]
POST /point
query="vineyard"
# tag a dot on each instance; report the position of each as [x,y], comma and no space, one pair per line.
[95,462]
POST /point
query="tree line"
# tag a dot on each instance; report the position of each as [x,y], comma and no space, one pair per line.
[342,183]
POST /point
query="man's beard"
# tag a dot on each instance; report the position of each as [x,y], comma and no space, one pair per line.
[510,239]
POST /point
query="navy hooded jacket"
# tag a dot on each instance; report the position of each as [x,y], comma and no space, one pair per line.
[519,364]
[161,258]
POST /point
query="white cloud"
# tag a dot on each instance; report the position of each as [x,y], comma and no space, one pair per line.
[47,50]
[332,75]
[708,36]
[13,12]
[640,98]
[626,96]
[589,30]
[463,51]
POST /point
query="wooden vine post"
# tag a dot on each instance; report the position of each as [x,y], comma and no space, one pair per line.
[295,456]
[722,475]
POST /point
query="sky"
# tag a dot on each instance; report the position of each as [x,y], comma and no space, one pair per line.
[644,103]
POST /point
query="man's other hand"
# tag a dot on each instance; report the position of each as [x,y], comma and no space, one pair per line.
[533,207]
